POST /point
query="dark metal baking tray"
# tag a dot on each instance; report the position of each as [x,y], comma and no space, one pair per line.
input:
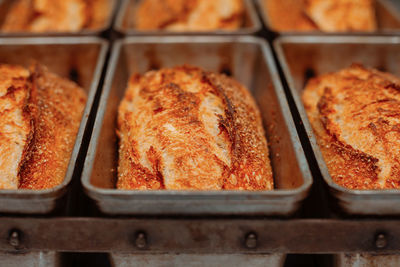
[80,59]
[303,56]
[5,5]
[124,22]
[250,61]
[388,18]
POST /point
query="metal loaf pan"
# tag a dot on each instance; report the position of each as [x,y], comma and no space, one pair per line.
[124,22]
[80,59]
[301,57]
[250,61]
[5,6]
[388,18]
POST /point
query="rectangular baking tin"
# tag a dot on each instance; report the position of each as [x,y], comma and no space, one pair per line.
[124,22]
[82,57]
[250,61]
[5,5]
[301,56]
[388,18]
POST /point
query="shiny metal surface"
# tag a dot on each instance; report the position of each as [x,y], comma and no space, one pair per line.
[250,61]
[80,59]
[32,259]
[212,235]
[387,13]
[303,56]
[124,22]
[366,260]
[196,260]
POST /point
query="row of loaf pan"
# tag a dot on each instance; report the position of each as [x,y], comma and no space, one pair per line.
[82,58]
[121,17]
[249,60]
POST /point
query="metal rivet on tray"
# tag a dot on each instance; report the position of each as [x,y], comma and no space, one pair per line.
[251,240]
[14,238]
[381,241]
[141,240]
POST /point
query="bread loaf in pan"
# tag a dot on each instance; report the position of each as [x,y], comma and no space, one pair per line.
[189,15]
[38,16]
[183,128]
[355,115]
[39,119]
[322,15]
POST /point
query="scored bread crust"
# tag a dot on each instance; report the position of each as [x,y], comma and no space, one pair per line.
[16,125]
[39,119]
[184,128]
[342,15]
[189,15]
[355,115]
[324,15]
[288,15]
[55,15]
[59,109]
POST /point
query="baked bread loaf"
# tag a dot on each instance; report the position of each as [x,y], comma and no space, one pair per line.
[355,115]
[186,129]
[342,15]
[55,15]
[288,15]
[324,15]
[189,15]
[40,118]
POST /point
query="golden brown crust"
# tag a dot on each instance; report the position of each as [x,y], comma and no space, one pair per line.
[55,15]
[355,115]
[60,104]
[324,15]
[189,15]
[184,128]
[342,15]
[15,122]
[288,15]
[40,117]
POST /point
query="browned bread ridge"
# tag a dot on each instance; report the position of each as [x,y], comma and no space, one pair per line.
[41,114]
[355,115]
[342,15]
[324,15]
[16,125]
[184,128]
[189,15]
[55,15]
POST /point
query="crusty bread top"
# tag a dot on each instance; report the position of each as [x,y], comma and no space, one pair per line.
[55,15]
[39,119]
[15,122]
[355,114]
[189,15]
[324,15]
[184,128]
[60,104]
[342,15]
[288,15]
